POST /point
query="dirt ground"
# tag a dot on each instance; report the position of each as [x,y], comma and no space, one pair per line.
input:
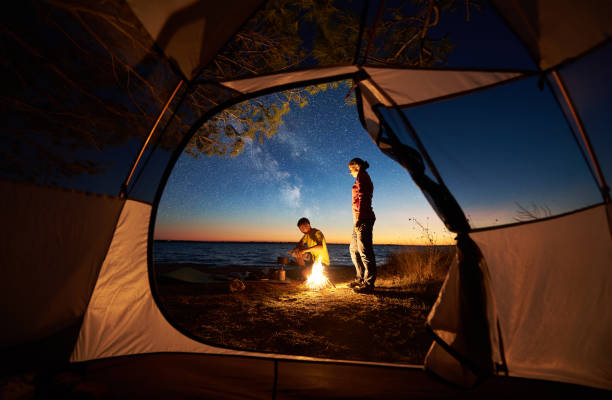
[289,318]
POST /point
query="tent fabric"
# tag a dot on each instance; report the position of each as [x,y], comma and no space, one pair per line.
[400,86]
[552,326]
[373,93]
[544,24]
[122,317]
[71,256]
[55,243]
[191,32]
[84,84]
[252,85]
[407,86]
[584,81]
[183,375]
[464,301]
[513,151]
[369,119]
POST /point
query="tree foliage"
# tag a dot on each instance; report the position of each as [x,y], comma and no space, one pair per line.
[296,33]
[85,76]
[226,133]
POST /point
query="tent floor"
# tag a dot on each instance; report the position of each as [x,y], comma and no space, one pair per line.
[180,375]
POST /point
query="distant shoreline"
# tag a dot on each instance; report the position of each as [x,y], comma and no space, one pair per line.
[292,242]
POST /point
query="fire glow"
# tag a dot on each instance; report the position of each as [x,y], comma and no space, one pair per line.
[317,279]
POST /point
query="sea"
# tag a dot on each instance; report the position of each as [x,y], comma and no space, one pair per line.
[263,254]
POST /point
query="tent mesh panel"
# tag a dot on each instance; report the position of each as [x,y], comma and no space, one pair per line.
[504,162]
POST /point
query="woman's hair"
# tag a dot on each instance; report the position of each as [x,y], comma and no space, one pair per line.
[358,161]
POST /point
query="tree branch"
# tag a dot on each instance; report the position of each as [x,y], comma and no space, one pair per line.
[62,75]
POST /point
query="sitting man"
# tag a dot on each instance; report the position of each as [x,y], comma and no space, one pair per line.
[310,248]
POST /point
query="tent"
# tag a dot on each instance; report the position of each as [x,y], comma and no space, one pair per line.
[88,146]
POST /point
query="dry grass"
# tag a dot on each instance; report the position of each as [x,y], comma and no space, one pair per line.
[419,267]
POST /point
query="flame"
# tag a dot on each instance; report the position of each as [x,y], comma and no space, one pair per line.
[317,279]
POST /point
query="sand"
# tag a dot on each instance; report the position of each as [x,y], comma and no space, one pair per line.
[288,318]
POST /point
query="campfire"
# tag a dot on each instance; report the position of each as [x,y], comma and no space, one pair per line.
[317,279]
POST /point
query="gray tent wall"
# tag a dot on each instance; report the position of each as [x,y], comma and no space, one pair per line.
[54,244]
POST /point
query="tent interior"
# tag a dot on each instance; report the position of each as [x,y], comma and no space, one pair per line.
[487,105]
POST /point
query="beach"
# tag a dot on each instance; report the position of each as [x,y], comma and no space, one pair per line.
[289,318]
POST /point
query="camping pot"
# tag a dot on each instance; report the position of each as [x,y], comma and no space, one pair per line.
[282,260]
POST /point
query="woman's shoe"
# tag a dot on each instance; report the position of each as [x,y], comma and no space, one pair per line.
[364,289]
[355,283]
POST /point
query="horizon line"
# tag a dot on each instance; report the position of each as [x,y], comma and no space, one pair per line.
[269,241]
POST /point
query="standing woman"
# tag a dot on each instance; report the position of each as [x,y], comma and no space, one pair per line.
[362,252]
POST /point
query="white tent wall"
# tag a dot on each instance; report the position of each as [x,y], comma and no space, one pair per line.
[552,285]
[122,317]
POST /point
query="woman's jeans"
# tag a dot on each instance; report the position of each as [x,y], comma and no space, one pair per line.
[362,252]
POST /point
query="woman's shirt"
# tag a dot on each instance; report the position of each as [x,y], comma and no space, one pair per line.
[362,197]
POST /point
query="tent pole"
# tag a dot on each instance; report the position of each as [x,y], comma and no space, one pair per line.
[124,186]
[603,187]
[381,6]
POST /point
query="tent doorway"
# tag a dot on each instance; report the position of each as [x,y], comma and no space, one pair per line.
[230,213]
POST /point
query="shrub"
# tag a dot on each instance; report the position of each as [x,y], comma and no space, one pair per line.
[421,265]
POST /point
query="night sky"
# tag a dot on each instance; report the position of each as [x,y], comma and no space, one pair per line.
[301,171]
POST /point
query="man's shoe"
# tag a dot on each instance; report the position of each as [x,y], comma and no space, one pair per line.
[355,284]
[364,289]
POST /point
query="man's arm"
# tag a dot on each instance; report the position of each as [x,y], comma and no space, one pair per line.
[313,248]
[319,246]
[299,247]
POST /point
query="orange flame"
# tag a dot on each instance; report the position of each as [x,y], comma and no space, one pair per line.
[317,278]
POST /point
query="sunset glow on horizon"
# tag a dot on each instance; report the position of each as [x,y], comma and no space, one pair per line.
[333,235]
